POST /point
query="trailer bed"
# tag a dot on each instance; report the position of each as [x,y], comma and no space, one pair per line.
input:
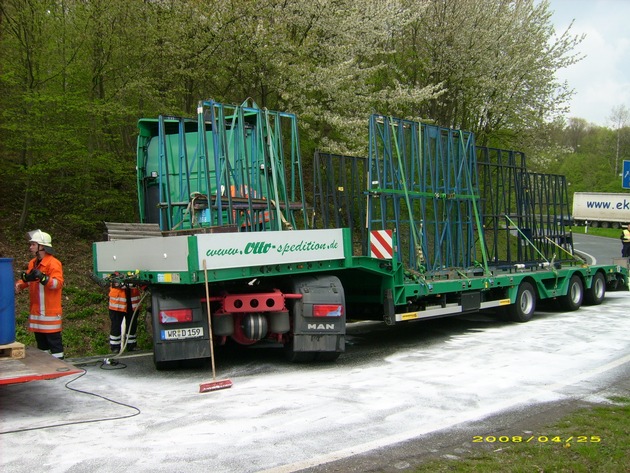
[35,366]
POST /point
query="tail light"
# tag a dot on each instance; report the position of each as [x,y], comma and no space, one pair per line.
[327,310]
[176,316]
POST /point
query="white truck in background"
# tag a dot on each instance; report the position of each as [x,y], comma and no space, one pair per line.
[601,209]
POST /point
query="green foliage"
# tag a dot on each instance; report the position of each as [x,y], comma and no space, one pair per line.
[71,95]
[603,232]
[84,297]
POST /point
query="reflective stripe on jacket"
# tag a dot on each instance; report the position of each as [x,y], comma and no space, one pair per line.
[625,236]
[118,298]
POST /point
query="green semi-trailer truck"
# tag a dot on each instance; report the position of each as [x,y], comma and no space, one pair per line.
[428,225]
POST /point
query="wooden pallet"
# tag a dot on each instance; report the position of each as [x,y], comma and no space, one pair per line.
[13,350]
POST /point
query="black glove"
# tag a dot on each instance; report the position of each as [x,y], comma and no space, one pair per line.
[100,281]
[28,277]
[35,275]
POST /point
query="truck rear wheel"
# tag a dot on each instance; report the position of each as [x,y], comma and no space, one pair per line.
[595,295]
[165,365]
[327,356]
[574,296]
[298,356]
[525,304]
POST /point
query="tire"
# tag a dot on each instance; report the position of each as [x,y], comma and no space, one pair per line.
[166,365]
[327,356]
[596,293]
[525,304]
[195,363]
[298,356]
[575,294]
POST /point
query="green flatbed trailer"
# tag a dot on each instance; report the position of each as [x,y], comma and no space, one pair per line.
[226,192]
[302,299]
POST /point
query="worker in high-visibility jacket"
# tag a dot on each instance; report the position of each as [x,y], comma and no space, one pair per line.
[44,280]
[625,242]
[124,299]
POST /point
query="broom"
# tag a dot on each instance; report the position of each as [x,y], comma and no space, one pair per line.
[213,385]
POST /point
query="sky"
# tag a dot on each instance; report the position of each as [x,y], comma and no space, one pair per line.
[601,80]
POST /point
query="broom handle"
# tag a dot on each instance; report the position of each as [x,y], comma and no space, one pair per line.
[205,277]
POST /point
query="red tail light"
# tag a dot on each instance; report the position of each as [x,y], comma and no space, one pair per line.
[176,316]
[327,310]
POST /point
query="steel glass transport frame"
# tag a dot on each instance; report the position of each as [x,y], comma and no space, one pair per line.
[436,188]
[234,165]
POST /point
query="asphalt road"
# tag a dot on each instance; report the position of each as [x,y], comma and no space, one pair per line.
[599,249]
[398,396]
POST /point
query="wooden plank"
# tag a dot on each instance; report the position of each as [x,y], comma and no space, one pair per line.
[36,365]
[131,231]
[12,350]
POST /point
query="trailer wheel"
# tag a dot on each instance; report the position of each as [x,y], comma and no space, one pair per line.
[575,294]
[595,295]
[524,305]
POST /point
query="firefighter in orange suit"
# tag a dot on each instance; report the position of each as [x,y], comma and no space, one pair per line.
[44,280]
[124,299]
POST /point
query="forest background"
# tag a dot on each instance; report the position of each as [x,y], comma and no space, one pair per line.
[76,75]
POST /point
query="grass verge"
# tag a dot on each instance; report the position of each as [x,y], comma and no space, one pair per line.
[603,232]
[589,440]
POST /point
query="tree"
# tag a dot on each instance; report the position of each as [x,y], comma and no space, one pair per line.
[495,60]
[322,60]
[76,75]
[576,130]
[619,117]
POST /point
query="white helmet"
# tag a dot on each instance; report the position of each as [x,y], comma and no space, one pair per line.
[41,238]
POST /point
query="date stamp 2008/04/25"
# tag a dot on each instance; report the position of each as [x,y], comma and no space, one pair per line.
[567,440]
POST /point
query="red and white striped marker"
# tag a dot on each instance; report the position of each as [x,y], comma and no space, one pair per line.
[381,244]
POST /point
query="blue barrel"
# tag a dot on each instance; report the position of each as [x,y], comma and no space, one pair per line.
[7,302]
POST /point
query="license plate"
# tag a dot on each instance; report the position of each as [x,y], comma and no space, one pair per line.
[182,333]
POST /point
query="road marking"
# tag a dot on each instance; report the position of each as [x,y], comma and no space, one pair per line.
[593,259]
